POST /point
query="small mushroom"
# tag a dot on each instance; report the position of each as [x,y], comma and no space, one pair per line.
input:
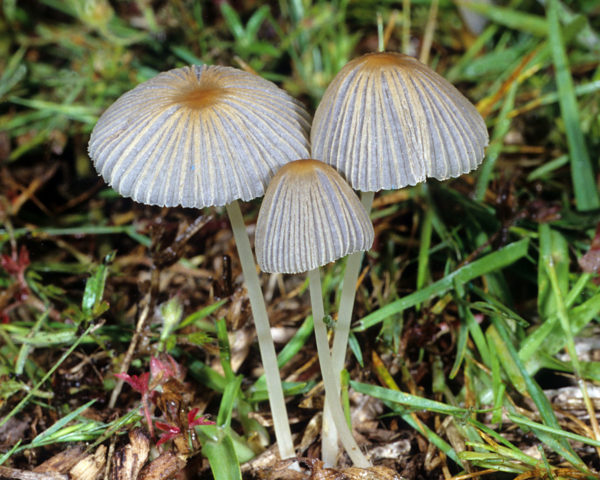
[309,217]
[204,136]
[387,121]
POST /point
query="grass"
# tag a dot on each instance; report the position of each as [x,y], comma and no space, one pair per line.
[472,307]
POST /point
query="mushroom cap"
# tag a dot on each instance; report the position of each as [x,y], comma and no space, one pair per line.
[387,121]
[309,217]
[198,136]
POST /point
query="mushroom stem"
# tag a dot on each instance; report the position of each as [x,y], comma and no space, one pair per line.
[342,328]
[340,339]
[330,380]
[263,332]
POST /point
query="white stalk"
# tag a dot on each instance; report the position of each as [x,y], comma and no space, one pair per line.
[340,339]
[330,380]
[266,346]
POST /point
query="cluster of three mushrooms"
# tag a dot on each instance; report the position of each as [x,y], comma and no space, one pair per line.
[201,136]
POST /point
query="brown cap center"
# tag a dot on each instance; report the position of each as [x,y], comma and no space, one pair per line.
[376,61]
[200,96]
[303,167]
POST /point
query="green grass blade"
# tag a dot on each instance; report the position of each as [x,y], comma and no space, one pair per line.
[292,347]
[584,186]
[407,400]
[36,388]
[511,18]
[45,436]
[218,447]
[489,263]
[501,128]
[560,445]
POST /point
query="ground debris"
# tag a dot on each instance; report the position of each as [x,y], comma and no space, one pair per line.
[6,472]
[62,462]
[351,473]
[91,467]
[165,466]
[129,460]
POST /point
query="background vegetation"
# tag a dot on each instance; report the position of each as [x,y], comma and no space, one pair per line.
[476,316]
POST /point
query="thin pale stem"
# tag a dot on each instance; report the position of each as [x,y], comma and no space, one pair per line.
[332,394]
[263,332]
[342,331]
[342,327]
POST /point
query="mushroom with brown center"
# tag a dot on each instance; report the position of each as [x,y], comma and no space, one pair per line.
[309,217]
[204,136]
[387,121]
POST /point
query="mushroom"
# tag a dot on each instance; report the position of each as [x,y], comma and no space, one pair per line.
[387,121]
[309,217]
[204,136]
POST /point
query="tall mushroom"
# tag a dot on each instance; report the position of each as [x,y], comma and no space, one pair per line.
[204,136]
[387,121]
[309,217]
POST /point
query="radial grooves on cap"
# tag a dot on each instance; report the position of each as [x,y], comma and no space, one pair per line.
[387,121]
[198,136]
[309,217]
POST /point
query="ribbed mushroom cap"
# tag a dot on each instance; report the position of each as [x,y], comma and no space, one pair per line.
[198,136]
[309,217]
[387,121]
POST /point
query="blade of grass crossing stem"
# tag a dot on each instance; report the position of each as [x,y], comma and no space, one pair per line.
[489,263]
[292,347]
[560,446]
[501,129]
[583,178]
[548,261]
